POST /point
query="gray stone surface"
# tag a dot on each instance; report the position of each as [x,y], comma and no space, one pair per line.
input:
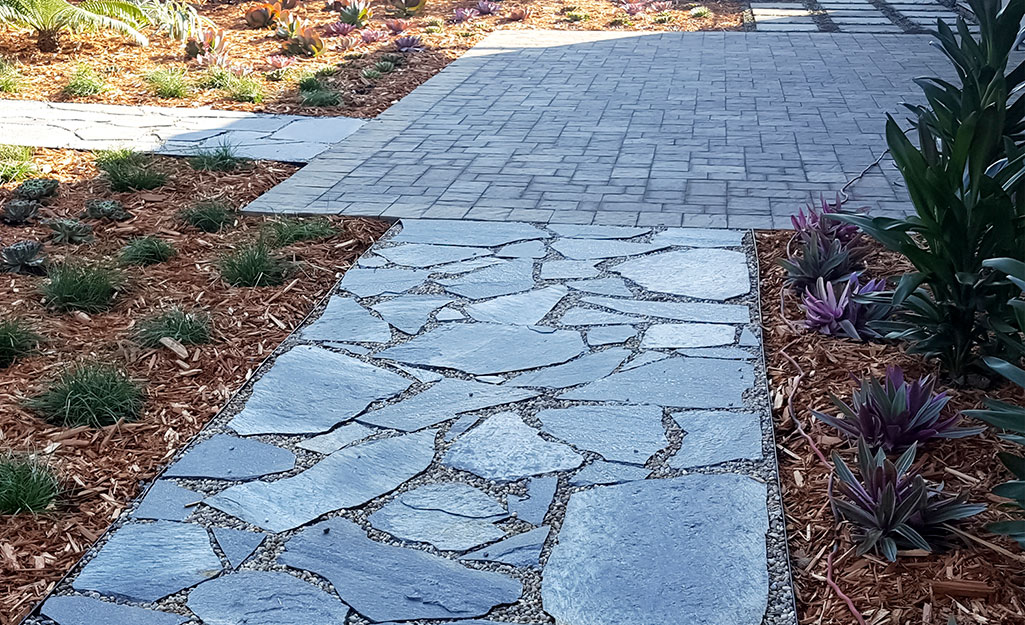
[146,562]
[345,320]
[519,550]
[703,273]
[449,314]
[265,598]
[729,353]
[678,311]
[575,231]
[579,316]
[607,335]
[608,473]
[409,313]
[699,237]
[456,232]
[667,335]
[502,278]
[309,390]
[237,545]
[601,286]
[167,501]
[585,249]
[642,359]
[533,507]
[450,516]
[486,348]
[526,249]
[523,309]
[503,448]
[713,437]
[347,478]
[583,369]
[668,549]
[629,434]
[563,269]
[226,457]
[383,582]
[426,255]
[370,282]
[89,611]
[748,338]
[460,425]
[337,438]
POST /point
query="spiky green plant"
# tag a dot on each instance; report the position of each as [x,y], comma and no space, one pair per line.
[320,97]
[111,210]
[169,82]
[17,211]
[223,157]
[27,484]
[69,231]
[37,189]
[16,340]
[128,170]
[208,215]
[254,265]
[145,251]
[10,76]
[50,19]
[77,286]
[188,328]
[23,257]
[90,394]
[15,162]
[85,82]
[282,232]
[245,89]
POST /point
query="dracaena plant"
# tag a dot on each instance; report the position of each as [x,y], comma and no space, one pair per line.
[895,414]
[892,506]
[966,180]
[819,258]
[841,314]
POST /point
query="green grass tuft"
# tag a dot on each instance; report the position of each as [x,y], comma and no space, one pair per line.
[284,232]
[245,89]
[16,340]
[145,251]
[15,163]
[84,82]
[185,327]
[27,484]
[224,157]
[169,83]
[128,170]
[91,394]
[216,78]
[75,286]
[254,265]
[319,97]
[10,76]
[208,215]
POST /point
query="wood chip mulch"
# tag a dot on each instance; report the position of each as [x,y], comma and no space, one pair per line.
[102,469]
[979,578]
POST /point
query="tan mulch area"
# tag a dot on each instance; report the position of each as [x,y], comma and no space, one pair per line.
[124,65]
[101,469]
[979,579]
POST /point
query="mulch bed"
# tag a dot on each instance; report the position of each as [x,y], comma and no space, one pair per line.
[102,468]
[124,65]
[980,578]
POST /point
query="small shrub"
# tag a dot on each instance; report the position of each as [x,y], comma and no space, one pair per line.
[288,231]
[90,394]
[208,215]
[111,210]
[69,231]
[26,484]
[146,251]
[245,89]
[169,83]
[185,327]
[16,340]
[128,170]
[23,257]
[254,265]
[847,314]
[15,163]
[216,78]
[84,82]
[10,77]
[818,258]
[76,286]
[221,158]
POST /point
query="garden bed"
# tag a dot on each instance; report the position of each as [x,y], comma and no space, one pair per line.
[121,70]
[980,578]
[101,468]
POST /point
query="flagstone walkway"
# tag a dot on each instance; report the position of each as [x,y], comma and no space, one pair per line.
[489,421]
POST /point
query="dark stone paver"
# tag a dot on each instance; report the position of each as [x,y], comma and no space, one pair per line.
[237,545]
[519,550]
[88,611]
[629,434]
[503,448]
[713,437]
[265,598]
[533,507]
[226,457]
[453,516]
[168,502]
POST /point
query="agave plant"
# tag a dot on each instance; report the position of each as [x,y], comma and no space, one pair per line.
[370,35]
[279,61]
[409,7]
[819,258]
[635,8]
[338,29]
[410,43]
[844,314]
[71,231]
[384,67]
[396,26]
[111,210]
[357,12]
[661,6]
[50,19]
[461,15]
[37,189]
[24,257]
[263,15]
[892,506]
[288,25]
[486,7]
[369,74]
[895,414]
[306,42]
[17,211]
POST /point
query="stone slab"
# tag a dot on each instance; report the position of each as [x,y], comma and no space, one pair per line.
[602,286]
[346,320]
[525,309]
[409,313]
[620,433]
[224,457]
[587,249]
[466,233]
[700,237]
[337,438]
[715,274]
[502,278]
[167,501]
[583,369]
[265,598]
[371,282]
[677,311]
[422,255]
[89,611]
[564,269]
[449,516]
[598,473]
[608,335]
[533,507]
[519,550]
[237,545]
[714,437]
[670,335]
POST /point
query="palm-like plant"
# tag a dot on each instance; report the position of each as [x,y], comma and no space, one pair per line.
[52,18]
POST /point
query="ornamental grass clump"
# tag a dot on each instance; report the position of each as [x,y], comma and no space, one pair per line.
[208,215]
[894,414]
[128,170]
[145,251]
[10,76]
[27,484]
[84,82]
[254,265]
[187,328]
[223,157]
[15,163]
[280,233]
[90,394]
[16,341]
[77,286]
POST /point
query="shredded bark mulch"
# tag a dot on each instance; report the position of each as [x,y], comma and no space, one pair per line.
[101,469]
[977,578]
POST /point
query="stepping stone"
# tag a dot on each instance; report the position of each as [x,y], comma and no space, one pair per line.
[147,562]
[680,382]
[702,237]
[265,598]
[383,582]
[504,278]
[237,545]
[666,335]
[345,320]
[472,233]
[716,437]
[503,448]
[643,359]
[519,550]
[578,316]
[534,507]
[668,549]
[336,439]
[607,335]
[409,313]
[452,517]
[422,375]
[224,457]
[420,255]
[586,249]
[449,314]
[523,309]
[608,473]
[602,286]
[167,501]
[371,282]
[701,273]
[687,311]
[527,249]
[370,260]
[466,266]
[566,269]
[441,402]
[89,611]
[629,434]
[487,348]
[461,424]
[748,338]
[347,478]
[584,369]
[728,353]
[573,231]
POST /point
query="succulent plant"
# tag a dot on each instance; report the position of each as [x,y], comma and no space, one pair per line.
[635,8]
[661,6]
[210,41]
[288,25]
[24,257]
[395,59]
[384,67]
[819,258]
[105,209]
[461,15]
[521,13]
[17,211]
[263,15]
[820,222]
[37,189]
[371,36]
[338,29]
[280,61]
[335,5]
[347,43]
[370,74]
[305,43]
[396,26]
[409,43]
[290,4]
[701,12]
[71,231]
[892,506]
[357,12]
[409,7]
[843,314]
[894,415]
[486,7]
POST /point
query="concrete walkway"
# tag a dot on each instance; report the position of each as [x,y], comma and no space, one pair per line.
[853,16]
[487,421]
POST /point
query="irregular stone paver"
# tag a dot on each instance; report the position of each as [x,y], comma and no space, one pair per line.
[707,273]
[678,311]
[504,448]
[589,317]
[534,506]
[265,598]
[310,390]
[89,611]
[226,457]
[466,266]
[666,549]
[607,473]
[237,545]
[146,562]
[574,231]
[371,282]
[585,249]
[382,582]
[665,335]
[337,438]
[345,320]
[729,353]
[607,335]
[409,313]
[526,249]
[455,232]
[629,434]
[523,309]
[583,369]
[602,286]
[451,516]
[562,269]
[715,437]
[449,314]
[502,278]
[167,501]
[347,478]
[699,237]
[519,550]
[441,402]
[425,255]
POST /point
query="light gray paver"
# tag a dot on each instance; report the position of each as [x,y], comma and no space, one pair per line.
[264,598]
